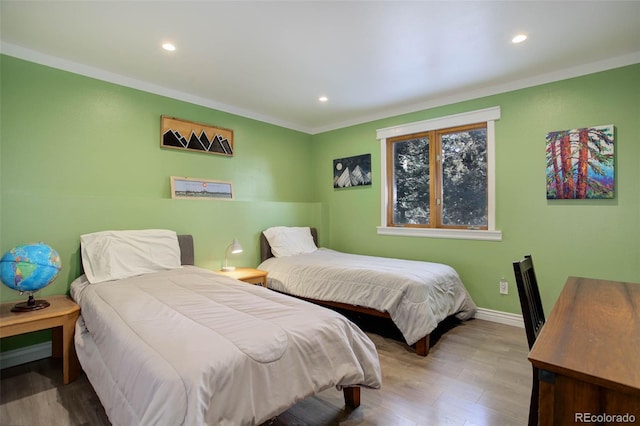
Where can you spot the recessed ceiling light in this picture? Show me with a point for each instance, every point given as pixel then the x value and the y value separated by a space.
pixel 168 46
pixel 519 38
pixel 323 99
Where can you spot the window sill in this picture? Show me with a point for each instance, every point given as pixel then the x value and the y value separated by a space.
pixel 461 234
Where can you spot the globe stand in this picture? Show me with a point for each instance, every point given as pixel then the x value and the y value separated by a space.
pixel 30 305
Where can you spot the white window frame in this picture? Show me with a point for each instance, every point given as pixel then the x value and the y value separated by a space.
pixel 488 115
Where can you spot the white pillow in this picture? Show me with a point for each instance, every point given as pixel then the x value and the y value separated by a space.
pixel 289 241
pixel 113 255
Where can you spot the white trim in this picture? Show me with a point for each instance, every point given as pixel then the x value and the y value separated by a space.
pixel 74 67
pixel 507 318
pixel 383 185
pixel 459 234
pixel 100 74
pixel 26 354
pixel 563 74
pixel 43 350
pixel 470 117
pixel 488 115
pixel 491 176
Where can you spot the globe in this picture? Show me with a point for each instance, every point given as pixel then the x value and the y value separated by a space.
pixel 29 268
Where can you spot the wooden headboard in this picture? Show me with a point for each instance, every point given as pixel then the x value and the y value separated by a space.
pixel 265 248
pixel 186 249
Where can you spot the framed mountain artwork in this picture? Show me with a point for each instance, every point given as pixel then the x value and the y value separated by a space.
pixel 191 136
pixel 352 171
pixel 580 163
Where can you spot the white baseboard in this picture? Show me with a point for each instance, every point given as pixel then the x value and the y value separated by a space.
pixel 500 317
pixel 23 355
pixel 43 350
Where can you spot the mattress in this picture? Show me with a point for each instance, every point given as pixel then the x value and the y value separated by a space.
pixel 416 295
pixel 191 347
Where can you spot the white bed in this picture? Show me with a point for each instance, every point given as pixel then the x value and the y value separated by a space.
pixel 187 346
pixel 415 295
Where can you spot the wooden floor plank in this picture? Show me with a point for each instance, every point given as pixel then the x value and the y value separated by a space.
pixel 476 373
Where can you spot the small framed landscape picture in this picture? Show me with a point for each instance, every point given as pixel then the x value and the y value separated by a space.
pixel 190 188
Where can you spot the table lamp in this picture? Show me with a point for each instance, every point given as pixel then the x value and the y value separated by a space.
pixel 234 247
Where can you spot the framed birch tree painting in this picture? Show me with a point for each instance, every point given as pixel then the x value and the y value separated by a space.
pixel 580 163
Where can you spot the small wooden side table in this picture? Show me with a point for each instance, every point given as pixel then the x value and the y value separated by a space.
pixel 60 316
pixel 248 275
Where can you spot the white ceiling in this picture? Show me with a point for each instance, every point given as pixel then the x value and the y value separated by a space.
pixel 272 60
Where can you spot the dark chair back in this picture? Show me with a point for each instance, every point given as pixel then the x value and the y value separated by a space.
pixel 533 316
pixel 530 301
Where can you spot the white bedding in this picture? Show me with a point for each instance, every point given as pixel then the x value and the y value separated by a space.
pixel 417 295
pixel 191 347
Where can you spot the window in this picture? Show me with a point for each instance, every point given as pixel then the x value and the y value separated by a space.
pixel 438 177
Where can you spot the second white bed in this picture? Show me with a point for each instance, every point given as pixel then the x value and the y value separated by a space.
pixel 417 295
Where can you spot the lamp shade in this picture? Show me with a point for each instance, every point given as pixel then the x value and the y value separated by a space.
pixel 233 248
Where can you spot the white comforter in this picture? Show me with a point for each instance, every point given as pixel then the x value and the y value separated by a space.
pixel 192 347
pixel 417 295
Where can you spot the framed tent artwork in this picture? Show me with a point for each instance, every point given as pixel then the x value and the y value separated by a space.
pixel 580 163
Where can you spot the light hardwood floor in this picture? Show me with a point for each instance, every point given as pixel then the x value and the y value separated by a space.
pixel 477 373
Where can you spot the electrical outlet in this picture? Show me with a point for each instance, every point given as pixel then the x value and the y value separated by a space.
pixel 504 286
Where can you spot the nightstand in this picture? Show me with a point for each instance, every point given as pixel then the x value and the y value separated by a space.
pixel 61 316
pixel 248 275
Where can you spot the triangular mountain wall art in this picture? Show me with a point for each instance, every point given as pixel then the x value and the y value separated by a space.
pixel 352 171
pixel 191 136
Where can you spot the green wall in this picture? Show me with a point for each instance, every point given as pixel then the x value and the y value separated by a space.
pixel 80 155
pixel 593 238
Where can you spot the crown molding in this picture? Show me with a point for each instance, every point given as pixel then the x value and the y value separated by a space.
pixel 100 74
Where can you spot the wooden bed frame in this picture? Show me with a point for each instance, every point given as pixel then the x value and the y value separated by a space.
pixel 422 345
pixel 351 394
